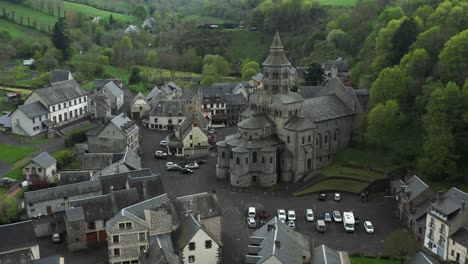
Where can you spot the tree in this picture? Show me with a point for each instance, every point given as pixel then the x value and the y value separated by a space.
pixel 339 39
pixel 416 63
pixel 314 74
pixel 391 84
pixel 404 37
pixel 135 77
pixel 111 20
pixel 453 64
pixel 219 62
pixel 61 38
pixel 384 49
pixel 248 73
pixel 9 209
pixel 384 123
pixel 141 12
pixel 249 69
pixel 400 244
pixel 389 14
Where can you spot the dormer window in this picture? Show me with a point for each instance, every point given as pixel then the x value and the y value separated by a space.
pixel 169 113
pixel 180 113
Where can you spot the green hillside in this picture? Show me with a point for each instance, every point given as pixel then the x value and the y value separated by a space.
pixel 91 11
pixel 17 31
pixel 42 19
pixel 248 44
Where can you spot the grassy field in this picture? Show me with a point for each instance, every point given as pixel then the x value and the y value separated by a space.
pixel 248 44
pixel 20 10
pixel 92 12
pixel 337 2
pixel 16 173
pixel 11 154
pixel 121 6
pixel 17 31
pixel 3 190
pixel 203 19
pixel 366 260
pixel 334 185
pixel 24 92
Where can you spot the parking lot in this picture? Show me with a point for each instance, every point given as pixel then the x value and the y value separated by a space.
pixel 379 209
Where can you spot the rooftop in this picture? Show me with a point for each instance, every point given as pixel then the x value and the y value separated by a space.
pixel 461 236
pixel 33 109
pixel 44 160
pixel 62 191
pixel 17 236
pixel 60 92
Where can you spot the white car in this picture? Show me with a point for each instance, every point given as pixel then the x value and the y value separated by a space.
pixel 291 215
pixel 163 143
pixel 282 215
pixel 309 215
pixel 251 222
pixel 337 216
pixel 337 197
pixel 369 227
pixel 56 238
pixel 292 224
pixel 192 166
pixel 170 164
pixel 252 212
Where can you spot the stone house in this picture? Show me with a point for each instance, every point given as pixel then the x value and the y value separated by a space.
pixel 132 29
pixel 18 244
pixel 110 163
pixel 65 101
pixel 165 114
pixel 74 176
pixel 57 199
pixel 115 136
pixel 75 224
pixel 149 25
pixel 193 99
pixel 458 246
pixel 100 83
pixel 30 119
pixel 275 242
pixel 287 137
pixel 195 243
pixel 115 94
pixel 414 202
pixel 235 103
pixel 161 251
pixel 257 82
pixel 154 96
pixel 340 65
pixel 139 106
pixel 59 76
pixel 171 90
pixel 189 138
pixel 445 217
pixel 128 232
pixel 43 167
pixel 99 106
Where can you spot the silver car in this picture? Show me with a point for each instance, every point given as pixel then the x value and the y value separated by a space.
pixel 251 222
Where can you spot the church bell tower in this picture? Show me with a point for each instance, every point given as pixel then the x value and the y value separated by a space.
pixel 276 69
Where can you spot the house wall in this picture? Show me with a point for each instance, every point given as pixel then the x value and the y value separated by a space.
pixel 110 140
pixel 202 254
pixel 197 145
pixel 56 205
pixel 161 122
pixel 140 106
pixel 160 222
pixel 116 101
pixel 129 242
pixel 97 110
pixel 48 173
pixel 73 109
pixel 76 235
pixel 213 225
pixel 457 250
pixel 23 125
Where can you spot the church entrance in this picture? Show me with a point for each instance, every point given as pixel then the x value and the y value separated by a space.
pixel 254 180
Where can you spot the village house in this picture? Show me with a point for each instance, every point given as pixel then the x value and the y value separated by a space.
pixel 139 106
pixel 57 199
pixel 340 65
pixel 114 137
pixel 161 250
pixel 154 96
pixel 275 242
pixel 110 163
pixel 235 103
pixel 458 245
pixel 18 244
pixel 115 94
pixel 149 25
pixel 59 76
pixel 74 176
pixel 257 82
pixel 132 29
pixel 30 119
pixel 189 138
pixel 99 106
pixel 42 167
pixel 166 114
pixel 171 90
pixel 446 216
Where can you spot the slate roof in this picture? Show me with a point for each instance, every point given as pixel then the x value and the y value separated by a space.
pixel 297 123
pixel 70 177
pixel 461 236
pixel 96 161
pixel 17 257
pixel 325 255
pixel 149 22
pixel 153 93
pixel 163 107
pixel 288 98
pixel 99 83
pixel 325 108
pixel 313 91
pixel 114 89
pixel 118 181
pixel 186 126
pixel 204 204
pixel 186 230
pixel 147 187
pixel 160 251
pixel 44 160
pixel 414 187
pixel 17 236
pixel 132 29
pixel 100 100
pixel 339 63
pixel 256 121
pixel 74 214
pixel 104 207
pixel 234 99
pixel 451 203
pixel 289 250
pixel 422 258
pixel 138 97
pixel 258 77
pixel 5 120
pixel 276 57
pixel 122 122
pixel 131 159
pixel 59 76
pixel 48 260
pixel 62 191
pixel 60 92
pixel 33 109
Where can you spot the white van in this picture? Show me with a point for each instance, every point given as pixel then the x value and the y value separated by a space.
pixel 252 212
pixel 320 224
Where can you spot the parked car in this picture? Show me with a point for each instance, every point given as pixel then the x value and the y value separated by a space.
pixel 337 216
pixel 200 162
pixel 309 215
pixel 263 215
pixel 291 215
pixel 292 223
pixel 192 166
pixel 163 143
pixel 282 215
pixel 159 154
pixel 174 168
pixel 368 227
pixel 56 238
pixel 186 171
pixel 7 182
pixel 252 212
pixel 356 220
pixel 170 163
pixel 322 196
pixel 320 225
pixel 262 222
pixel 327 217
pixel 211 131
pixel 337 197
pixel 251 222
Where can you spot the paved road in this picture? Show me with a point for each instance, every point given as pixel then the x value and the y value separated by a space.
pixel 379 210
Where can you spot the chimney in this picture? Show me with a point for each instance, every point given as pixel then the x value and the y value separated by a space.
pixel 277 244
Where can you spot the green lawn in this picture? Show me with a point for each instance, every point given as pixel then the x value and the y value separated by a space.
pixel 203 19
pixel 16 173
pixel 248 44
pixel 337 2
pixel 92 12
pixel 3 190
pixel 17 31
pixel 366 260
pixel 120 6
pixel 35 15
pixel 11 154
pixel 334 185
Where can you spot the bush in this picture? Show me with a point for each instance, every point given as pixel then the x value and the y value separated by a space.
pixel 77 137
pixel 9 209
pixel 64 160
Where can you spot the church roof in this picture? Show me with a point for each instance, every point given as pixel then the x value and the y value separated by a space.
pixel 289 98
pixel 276 57
pixel 297 123
pixel 256 121
pixel 324 108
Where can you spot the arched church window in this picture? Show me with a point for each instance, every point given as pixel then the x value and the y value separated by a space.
pixel 222 155
pixel 326 139
pixel 237 161
pixel 334 136
pixel 254 157
pixel 309 164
